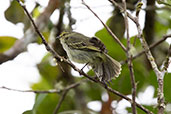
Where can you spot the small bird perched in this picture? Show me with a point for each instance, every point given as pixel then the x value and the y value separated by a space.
pixel 92 51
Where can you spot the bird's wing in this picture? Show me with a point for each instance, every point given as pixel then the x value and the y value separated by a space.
pixel 83 44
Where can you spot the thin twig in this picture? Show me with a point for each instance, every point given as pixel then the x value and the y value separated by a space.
pixel 78 70
pixel 64 93
pixel 150 47
pixel 159 75
pixel 45 91
pixel 107 28
pixel 32 91
pixel 153 45
pixel 130 65
pixel 151 59
pixel 167 61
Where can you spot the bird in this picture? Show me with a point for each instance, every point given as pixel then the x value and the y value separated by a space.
pixel 92 52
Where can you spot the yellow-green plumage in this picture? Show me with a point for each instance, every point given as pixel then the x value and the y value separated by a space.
pixel 82 49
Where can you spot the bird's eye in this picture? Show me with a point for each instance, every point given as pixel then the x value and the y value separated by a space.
pixel 64 34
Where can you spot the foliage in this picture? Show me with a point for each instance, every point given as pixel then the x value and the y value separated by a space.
pixel 6 42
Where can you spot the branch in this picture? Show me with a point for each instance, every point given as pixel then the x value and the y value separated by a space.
pixel 167 61
pixel 159 75
pixel 150 57
pixel 58 57
pixel 64 93
pixel 107 28
pixel 32 91
pixel 150 47
pixel 45 91
pixel 153 45
pixel 130 65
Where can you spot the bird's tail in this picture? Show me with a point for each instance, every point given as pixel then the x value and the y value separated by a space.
pixel 107 69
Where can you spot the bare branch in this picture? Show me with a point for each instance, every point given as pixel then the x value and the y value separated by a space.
pixel 150 47
pixel 107 28
pixel 130 65
pixel 64 93
pixel 151 59
pixel 160 76
pixel 161 104
pixel 45 91
pixel 167 61
pixel 153 45
pixel 32 91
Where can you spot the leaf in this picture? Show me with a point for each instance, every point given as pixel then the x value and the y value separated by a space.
pixel 45 103
pixel 162 23
pixel 15 14
pixel 36 12
pixel 48 71
pixel 6 42
pixel 116 24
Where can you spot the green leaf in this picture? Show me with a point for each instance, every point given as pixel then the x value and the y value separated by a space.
pixel 45 103
pixel 6 42
pixel 116 24
pixel 43 84
pixel 36 12
pixel 162 23
pixel 48 71
pixel 15 14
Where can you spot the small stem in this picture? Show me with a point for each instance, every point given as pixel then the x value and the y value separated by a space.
pixel 60 101
pixel 130 65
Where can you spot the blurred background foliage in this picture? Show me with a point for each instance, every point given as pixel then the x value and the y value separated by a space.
pixel 157 24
